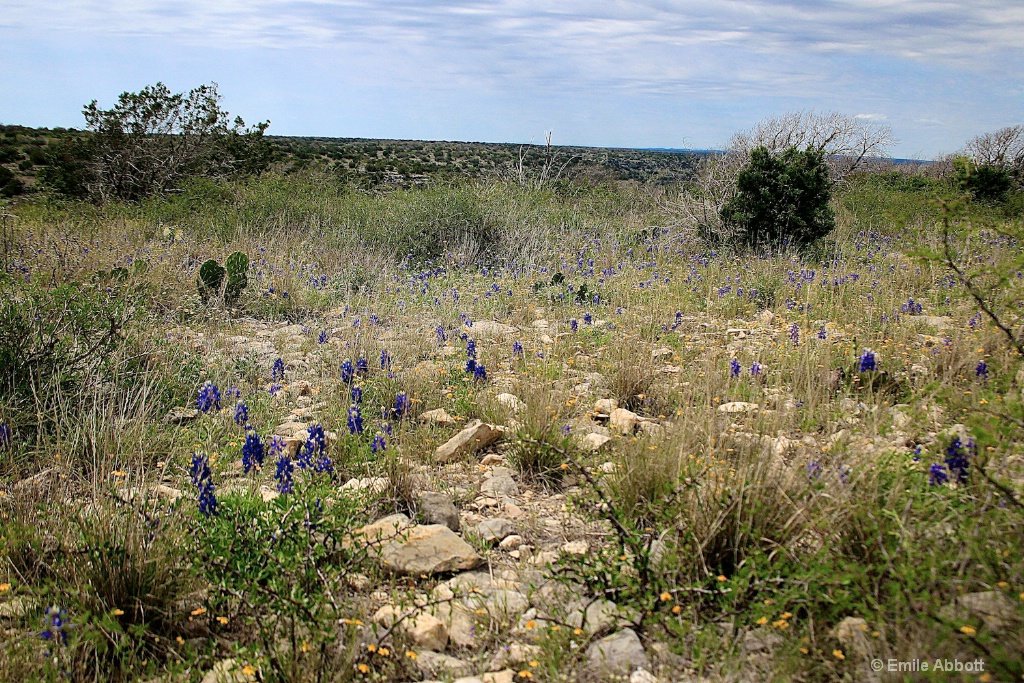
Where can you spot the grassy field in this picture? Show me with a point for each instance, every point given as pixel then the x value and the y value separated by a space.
pixel 711 466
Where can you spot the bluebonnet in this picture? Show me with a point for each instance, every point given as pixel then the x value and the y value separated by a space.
pixel 734 368
pixel 956 459
pixel 822 334
pixel 357 394
pixel 439 331
pixel 479 373
pixel 814 469
pixel 355 420
pixel 517 348
pixel 975 321
pixel 378 444
pixel 284 473
pixel 587 319
pixel 911 308
pixel 362 366
pixel 937 474
pixel 756 369
pixel 55 625
pixel 202 479
pixel 867 362
pixel 794 333
pixel 470 356
pixel 385 360
pixel 241 414
pixel 401 404
pixel 981 370
pixel 322 339
pixel 574 324
pixel 274 389
pixel 348 372
pixel 277 372
pixel 252 452
pixel 208 398
pixel 5 436
pixel 233 392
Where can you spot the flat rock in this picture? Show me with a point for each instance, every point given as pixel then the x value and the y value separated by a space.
pixel 511 401
pixel 437 416
pixel 181 416
pixel 619 654
pixel 432 663
pixel 489 329
pixel 430 549
pixel 475 436
pixel 495 530
pixel 384 529
pixel 593 441
pixel 738 407
pixel 851 633
pixel 605 406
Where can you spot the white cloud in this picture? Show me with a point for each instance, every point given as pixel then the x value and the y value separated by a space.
pixel 871 117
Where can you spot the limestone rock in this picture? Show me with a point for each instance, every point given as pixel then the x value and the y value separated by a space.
pixel 511 401
pixel 851 633
pixel 475 436
pixel 438 416
pixel 511 542
pixel 605 406
pixel 662 353
pixel 993 607
pixel 495 530
pixel 624 421
pixel 499 483
pixel 384 529
pixel 430 549
pixel 228 671
pixel 592 442
pixel 489 329
pixel 738 407
pixel 619 654
pixel 432 663
pixel 181 416
pixel 437 508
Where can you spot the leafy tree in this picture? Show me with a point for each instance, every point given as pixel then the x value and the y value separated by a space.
pixel 153 140
pixel 781 199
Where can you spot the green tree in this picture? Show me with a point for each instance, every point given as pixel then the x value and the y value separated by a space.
pixel 153 140
pixel 781 199
pixel 985 182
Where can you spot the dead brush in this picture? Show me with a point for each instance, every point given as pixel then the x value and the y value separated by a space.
pixel 633 379
pixel 541 437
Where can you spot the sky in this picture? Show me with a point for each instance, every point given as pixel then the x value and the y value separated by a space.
pixel 610 73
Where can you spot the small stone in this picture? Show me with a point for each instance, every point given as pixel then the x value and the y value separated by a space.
pixel 495 530
pixel 371 484
pixel 181 416
pixel 475 436
pixel 438 416
pixel 511 542
pixel 738 407
pixel 499 483
pixel 579 548
pixel 511 402
pixel 761 640
pixel 605 406
pixel 227 671
pixel 504 676
pixel 619 654
pixel 489 329
pixel 642 676
pixel 593 442
pixel 607 467
pixel 384 529
pixel 428 632
pixel 851 633
pixel 432 663
pixel 624 421
pixel 492 459
pixel 437 508
pixel 663 352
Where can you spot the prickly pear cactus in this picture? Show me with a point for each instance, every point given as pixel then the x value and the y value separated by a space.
pixel 237 268
pixel 211 276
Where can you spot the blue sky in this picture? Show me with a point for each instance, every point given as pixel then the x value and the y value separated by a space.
pixel 644 73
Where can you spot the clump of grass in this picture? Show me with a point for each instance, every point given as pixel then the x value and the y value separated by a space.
pixel 540 434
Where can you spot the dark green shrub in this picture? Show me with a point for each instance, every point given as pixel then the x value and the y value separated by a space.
pixel 781 199
pixel 984 182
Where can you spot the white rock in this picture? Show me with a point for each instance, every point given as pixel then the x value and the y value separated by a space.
pixel 738 407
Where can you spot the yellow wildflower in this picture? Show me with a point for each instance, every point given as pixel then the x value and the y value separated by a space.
pixel 968 630
pixel 838 654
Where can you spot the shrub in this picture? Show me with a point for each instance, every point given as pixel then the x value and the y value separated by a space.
pixel 781 199
pixel 984 182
